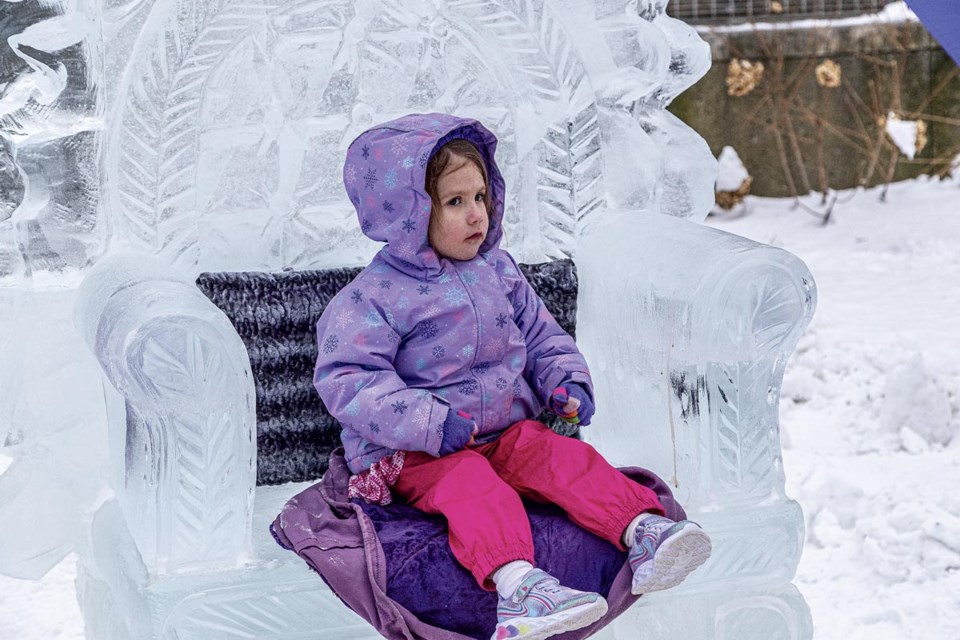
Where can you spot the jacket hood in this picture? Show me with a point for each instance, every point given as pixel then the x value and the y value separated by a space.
pixel 385 173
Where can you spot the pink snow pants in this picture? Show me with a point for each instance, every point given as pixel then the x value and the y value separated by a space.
pixel 478 490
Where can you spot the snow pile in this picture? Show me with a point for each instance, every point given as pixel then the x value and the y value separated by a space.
pixel 43 610
pixel 897 12
pixel 870 409
pixel 905 134
pixel 731 174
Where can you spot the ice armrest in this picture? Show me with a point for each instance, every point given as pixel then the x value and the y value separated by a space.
pixel 687 330
pixel 183 434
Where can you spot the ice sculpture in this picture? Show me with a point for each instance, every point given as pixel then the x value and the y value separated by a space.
pixel 207 135
pixel 50 229
pixel 694 352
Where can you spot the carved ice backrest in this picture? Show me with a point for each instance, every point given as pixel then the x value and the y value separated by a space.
pixel 212 132
pixel 230 122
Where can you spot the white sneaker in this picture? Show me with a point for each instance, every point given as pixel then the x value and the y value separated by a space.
pixel 665 553
pixel 541 608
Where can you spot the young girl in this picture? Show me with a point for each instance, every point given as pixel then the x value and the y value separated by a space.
pixel 435 359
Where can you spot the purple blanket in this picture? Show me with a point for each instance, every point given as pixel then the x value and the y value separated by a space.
pixel 393 566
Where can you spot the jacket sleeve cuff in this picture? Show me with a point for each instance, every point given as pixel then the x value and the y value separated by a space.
pixel 433 437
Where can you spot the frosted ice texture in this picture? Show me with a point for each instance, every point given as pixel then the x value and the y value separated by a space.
pixel 50 112
pixel 184 445
pixel 51 424
pixel 209 135
pixel 691 338
pixel 230 128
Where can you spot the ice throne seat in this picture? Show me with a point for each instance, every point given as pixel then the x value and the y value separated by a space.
pixel 687 329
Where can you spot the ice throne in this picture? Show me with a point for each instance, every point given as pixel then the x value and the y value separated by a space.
pixel 225 127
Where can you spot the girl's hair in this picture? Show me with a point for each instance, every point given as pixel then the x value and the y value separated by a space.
pixel 438 164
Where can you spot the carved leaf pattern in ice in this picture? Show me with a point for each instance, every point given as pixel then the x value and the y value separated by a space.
pixel 748 443
pixel 745 461
pixel 569 170
pixel 156 150
pixel 567 197
pixel 201 486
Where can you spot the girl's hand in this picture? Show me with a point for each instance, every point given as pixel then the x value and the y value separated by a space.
pixel 572 404
pixel 458 432
pixel 564 405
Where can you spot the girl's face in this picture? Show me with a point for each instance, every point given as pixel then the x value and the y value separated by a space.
pixel 459 226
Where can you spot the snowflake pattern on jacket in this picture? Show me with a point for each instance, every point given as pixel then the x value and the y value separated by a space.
pixel 415 335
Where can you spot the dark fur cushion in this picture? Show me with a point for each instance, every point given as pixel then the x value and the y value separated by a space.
pixel 276 316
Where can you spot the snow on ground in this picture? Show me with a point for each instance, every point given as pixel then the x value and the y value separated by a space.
pixel 870 414
pixel 43 610
pixel 870 409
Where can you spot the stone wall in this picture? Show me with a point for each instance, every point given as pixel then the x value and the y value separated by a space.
pixel 796 133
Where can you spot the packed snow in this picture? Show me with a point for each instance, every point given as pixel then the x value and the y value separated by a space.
pixel 904 134
pixel 870 412
pixel 731 173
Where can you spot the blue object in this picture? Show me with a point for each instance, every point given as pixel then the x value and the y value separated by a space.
pixel 942 19
pixel 457 432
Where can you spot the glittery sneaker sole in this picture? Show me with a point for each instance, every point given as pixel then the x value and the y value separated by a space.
pixel 675 559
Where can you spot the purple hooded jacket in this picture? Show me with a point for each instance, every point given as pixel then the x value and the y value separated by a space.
pixel 416 335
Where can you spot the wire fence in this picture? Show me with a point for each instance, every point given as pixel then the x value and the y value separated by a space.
pixel 713 11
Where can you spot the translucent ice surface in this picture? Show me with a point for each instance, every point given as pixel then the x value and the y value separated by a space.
pixel 687 345
pixel 51 424
pixel 701 331
pixel 144 142
pixel 183 442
